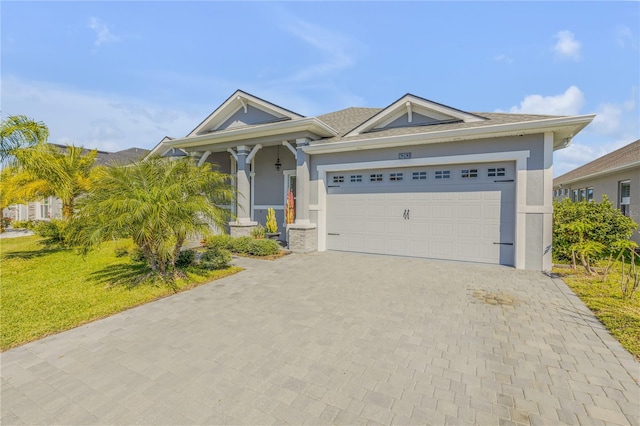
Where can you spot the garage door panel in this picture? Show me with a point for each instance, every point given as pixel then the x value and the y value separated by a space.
pixel 447 219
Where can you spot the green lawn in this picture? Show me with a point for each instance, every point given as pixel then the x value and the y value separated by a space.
pixel 45 291
pixel 620 316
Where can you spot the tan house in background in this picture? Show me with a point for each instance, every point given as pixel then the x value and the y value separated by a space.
pixel 616 175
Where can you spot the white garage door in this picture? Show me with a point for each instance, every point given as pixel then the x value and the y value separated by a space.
pixel 461 212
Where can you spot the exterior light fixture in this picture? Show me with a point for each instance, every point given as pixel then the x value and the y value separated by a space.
pixel 278 163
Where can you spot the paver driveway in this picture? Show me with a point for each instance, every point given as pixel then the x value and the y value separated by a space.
pixel 335 338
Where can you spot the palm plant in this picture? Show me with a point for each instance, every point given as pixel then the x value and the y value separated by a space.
pixel 16 187
pixel 67 173
pixel 19 131
pixel 159 203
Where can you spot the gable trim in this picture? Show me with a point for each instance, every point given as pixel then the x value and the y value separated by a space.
pixel 241 100
pixel 408 104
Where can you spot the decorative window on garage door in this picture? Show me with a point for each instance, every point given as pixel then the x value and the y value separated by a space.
pixel 496 171
pixel 419 175
pixel 443 174
pixel 356 178
pixel 469 173
pixel 338 179
pixel 396 176
pixel 375 177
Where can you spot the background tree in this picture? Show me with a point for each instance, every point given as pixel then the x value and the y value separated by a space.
pixel 19 131
pixel 159 203
pixel 67 172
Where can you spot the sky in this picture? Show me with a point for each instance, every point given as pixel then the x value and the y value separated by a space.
pixel 115 75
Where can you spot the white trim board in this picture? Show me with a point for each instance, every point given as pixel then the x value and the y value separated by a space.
pixel 520 158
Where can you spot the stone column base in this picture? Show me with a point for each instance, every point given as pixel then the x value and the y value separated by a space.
pixel 302 238
pixel 241 229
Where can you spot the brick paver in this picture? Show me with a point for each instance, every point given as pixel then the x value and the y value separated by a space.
pixel 335 338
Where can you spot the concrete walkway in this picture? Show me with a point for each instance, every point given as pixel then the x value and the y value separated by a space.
pixel 335 338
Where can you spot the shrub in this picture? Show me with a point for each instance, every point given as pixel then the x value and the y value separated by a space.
pixel 241 245
pixel 215 258
pixel 263 248
pixel 258 232
pixel 223 241
pixel 185 258
pixel 588 229
pixel 6 221
pixel 272 223
pixel 52 231
pixel 20 224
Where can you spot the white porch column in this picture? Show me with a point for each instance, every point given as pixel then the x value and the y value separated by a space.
pixel 302 183
pixel 244 186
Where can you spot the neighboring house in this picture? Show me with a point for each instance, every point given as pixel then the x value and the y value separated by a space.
pixel 51 207
pixel 616 175
pixel 416 178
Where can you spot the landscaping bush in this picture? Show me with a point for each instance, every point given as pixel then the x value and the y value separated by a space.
pixel 6 222
pixel 185 258
pixel 215 258
pixel 258 232
pixel 241 245
pixel 52 231
pixel 20 224
pixel 223 241
pixel 588 228
pixel 263 248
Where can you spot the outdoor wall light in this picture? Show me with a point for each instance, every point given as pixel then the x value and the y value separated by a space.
pixel 278 163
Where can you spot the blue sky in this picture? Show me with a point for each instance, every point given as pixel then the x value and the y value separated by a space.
pixel 113 75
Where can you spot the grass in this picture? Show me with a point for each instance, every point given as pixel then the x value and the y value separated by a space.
pixel 619 315
pixel 45 291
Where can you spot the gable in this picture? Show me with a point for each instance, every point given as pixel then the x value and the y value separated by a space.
pixel 410 111
pixel 251 115
pixel 242 109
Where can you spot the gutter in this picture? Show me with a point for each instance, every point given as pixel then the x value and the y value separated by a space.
pixel 497 130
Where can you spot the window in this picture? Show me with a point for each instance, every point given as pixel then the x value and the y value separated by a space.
pixel 396 176
pixel 624 199
pixel 471 173
pixel 375 177
pixel 338 179
pixel 574 195
pixel 566 192
pixel 496 171
pixel 590 194
pixel 419 175
pixel 583 194
pixel 356 178
pixel 44 208
pixel 443 174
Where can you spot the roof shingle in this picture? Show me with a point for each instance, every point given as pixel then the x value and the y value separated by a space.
pixel 628 154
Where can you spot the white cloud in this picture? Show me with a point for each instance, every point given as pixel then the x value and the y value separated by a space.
pixel 94 120
pixel 567 46
pixel 502 58
pixel 103 34
pixel 625 37
pixel 333 48
pixel 568 103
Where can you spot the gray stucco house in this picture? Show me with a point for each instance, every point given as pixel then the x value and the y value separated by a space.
pixel 616 175
pixel 416 178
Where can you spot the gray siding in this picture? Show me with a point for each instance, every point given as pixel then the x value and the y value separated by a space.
pixel 269 182
pixel 416 120
pixel 222 160
pixel 534 242
pixel 252 116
